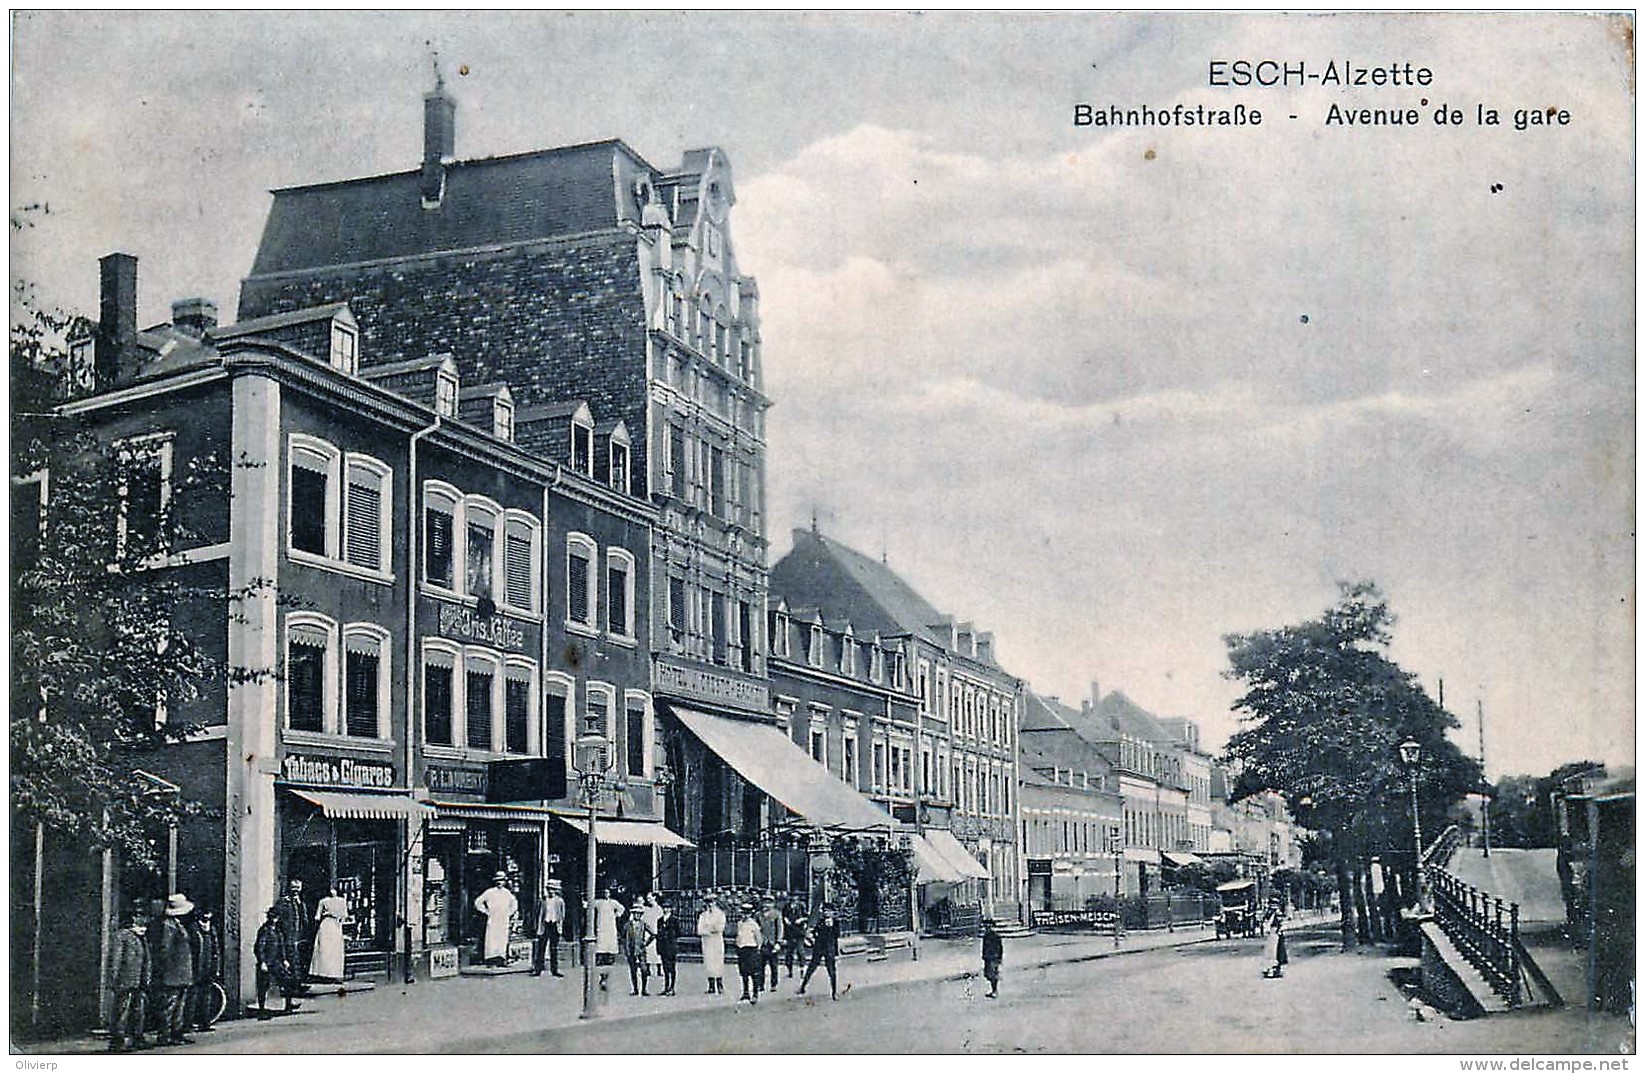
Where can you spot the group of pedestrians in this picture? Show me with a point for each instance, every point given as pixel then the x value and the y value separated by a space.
pixel 164 968
pixel 764 937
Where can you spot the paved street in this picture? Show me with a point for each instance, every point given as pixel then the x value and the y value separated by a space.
pixel 1328 1002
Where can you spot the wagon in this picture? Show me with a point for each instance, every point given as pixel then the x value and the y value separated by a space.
pixel 1238 914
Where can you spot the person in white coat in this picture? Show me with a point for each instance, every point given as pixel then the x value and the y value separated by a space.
pixel 498 905
pixel 711 928
pixel 653 917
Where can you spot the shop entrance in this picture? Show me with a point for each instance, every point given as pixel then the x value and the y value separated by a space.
pixel 460 866
pixel 359 860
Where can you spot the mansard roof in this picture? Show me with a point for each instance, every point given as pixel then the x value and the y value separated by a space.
pixel 544 194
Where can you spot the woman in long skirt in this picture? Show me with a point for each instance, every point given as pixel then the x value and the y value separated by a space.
pixel 329 918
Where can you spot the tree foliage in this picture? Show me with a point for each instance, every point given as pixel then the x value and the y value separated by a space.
pixel 100 642
pixel 1323 715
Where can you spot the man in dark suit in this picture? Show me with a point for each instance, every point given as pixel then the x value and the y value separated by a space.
pixel 825 949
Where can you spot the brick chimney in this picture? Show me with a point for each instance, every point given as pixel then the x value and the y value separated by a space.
pixel 196 316
pixel 439 141
pixel 116 314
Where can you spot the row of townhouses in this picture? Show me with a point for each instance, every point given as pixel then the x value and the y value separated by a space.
pixel 499 431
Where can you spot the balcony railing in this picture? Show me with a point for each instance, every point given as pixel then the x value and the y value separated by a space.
pixel 1485 930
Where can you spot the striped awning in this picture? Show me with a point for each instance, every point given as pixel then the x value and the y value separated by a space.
pixel 629 833
pixel 342 805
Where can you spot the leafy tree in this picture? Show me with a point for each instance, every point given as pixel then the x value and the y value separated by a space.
pixel 100 638
pixel 1323 713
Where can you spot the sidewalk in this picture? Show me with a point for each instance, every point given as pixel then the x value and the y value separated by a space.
pixel 430 1015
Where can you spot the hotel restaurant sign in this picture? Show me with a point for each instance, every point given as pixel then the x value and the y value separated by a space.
pixel 709 685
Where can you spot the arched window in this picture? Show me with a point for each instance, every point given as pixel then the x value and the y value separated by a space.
pixel 311 673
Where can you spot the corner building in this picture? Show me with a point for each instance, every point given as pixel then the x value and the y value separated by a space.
pixel 584 275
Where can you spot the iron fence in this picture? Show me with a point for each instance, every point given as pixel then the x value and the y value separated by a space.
pixel 1473 920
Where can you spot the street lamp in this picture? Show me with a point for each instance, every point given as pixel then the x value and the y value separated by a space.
pixel 594 762
pixel 1410 752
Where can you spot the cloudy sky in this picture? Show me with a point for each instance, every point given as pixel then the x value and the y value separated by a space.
pixel 1111 394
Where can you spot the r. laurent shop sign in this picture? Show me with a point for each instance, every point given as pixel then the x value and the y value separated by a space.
pixel 336 771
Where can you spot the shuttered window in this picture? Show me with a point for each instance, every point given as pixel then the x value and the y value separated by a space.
pixel 360 680
pixel 635 740
pixel 437 680
pixel 578 575
pixel 676 609
pixel 306 683
pixel 363 521
pixel 517 568
pixel 554 723
pixel 437 538
pixel 616 596
pixel 478 686
pixel 516 714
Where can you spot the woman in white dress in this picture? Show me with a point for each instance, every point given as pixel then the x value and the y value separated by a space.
pixel 711 928
pixel 329 918
pixel 653 918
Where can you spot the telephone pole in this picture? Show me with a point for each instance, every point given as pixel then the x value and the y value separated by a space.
pixel 1484 795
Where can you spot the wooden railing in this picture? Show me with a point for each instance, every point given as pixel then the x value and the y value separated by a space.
pixel 1475 922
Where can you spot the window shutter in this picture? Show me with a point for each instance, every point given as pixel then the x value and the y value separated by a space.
pixel 361 682
pixel 517 569
pixel 365 525
pixel 479 710
pixel 437 704
pixel 438 538
pixel 577 608
pixel 554 727
pixel 516 714
pixel 306 689
pixel 636 741
pixel 617 599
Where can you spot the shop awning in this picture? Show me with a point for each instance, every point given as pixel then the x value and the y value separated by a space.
pixel 958 857
pixel 629 833
pixel 489 811
pixel 765 757
pixel 1182 857
pixel 931 866
pixel 341 805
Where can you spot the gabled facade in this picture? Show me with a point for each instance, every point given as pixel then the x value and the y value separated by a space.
pixel 1071 811
pixel 964 742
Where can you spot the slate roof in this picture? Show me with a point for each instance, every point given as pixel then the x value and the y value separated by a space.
pixel 537 195
pixel 1120 711
pixel 820 571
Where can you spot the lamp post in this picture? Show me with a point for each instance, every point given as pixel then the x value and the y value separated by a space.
pixel 594 763
pixel 1410 752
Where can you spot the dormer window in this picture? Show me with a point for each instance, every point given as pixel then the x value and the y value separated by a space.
pixel 848 656
pixel 445 395
pixel 814 650
pixel 619 466
pixel 582 448
pixel 502 420
pixel 345 348
pixel 779 634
